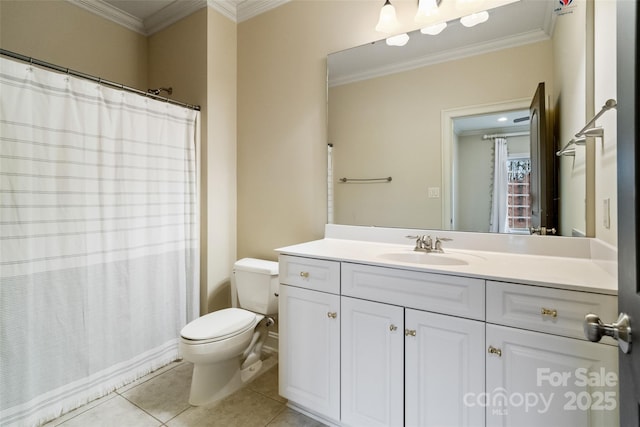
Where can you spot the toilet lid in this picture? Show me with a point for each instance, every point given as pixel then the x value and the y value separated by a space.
pixel 219 324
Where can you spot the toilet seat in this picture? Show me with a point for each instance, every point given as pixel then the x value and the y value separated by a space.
pixel 219 325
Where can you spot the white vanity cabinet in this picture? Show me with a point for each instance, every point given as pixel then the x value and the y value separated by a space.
pixel 372 362
pixel 432 362
pixel 367 345
pixel 309 334
pixel 444 362
pixel 540 369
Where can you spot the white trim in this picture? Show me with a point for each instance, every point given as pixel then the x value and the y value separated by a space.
pixel 446 126
pixel 235 10
pixel 449 55
pixel 247 9
pixel 171 14
pixel 227 8
pixel 106 11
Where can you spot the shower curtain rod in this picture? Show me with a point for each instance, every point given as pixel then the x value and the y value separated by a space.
pixel 505 135
pixel 94 78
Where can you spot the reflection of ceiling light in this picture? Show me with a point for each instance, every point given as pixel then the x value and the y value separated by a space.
pixel 388 21
pixel 474 19
pixel 433 30
pixel 399 40
pixel 468 5
pixel 427 10
pixel 502 119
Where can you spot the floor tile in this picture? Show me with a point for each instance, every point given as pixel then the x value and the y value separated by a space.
pixel 244 408
pixel 267 385
pixel 78 411
pixel 114 412
pixel 164 396
pixel 151 375
pixel 291 418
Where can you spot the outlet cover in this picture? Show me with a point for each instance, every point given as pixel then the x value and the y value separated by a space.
pixel 434 192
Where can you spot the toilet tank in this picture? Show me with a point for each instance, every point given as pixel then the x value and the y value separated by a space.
pixel 257 285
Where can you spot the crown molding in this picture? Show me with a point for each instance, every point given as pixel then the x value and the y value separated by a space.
pixel 171 14
pixel 450 55
pixel 235 10
pixel 106 11
pixel 247 9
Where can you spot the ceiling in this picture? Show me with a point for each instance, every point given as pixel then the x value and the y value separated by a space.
pixel 149 16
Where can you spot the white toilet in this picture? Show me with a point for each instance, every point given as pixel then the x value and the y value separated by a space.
pixel 225 346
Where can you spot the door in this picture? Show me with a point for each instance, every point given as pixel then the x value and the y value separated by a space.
pixel 543 186
pixel 628 292
pixel 536 379
pixel 372 363
pixel 309 349
pixel 444 370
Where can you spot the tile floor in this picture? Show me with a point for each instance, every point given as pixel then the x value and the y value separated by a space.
pixel 161 399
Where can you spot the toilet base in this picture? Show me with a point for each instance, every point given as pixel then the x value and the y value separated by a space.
pixel 213 382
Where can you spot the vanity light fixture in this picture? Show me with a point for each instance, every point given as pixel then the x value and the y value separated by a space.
pixel 427 11
pixel 434 30
pixel 399 40
pixel 388 21
pixel 474 19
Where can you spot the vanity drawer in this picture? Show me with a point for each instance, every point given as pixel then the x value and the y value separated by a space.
pixel 439 293
pixel 555 311
pixel 316 274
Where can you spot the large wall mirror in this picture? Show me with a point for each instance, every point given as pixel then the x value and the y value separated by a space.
pixel 424 119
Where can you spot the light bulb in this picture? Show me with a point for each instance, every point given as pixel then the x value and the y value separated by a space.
pixel 433 30
pixel 474 19
pixel 427 11
pixel 388 21
pixel 399 40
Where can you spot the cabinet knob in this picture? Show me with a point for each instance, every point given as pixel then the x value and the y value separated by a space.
pixel 304 274
pixel 393 328
pixel 496 351
pixel 410 332
pixel 549 312
pixel 332 315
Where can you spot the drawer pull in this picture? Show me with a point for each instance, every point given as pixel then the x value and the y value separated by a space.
pixel 304 274
pixel 493 350
pixel 410 332
pixel 549 312
pixel 332 315
pixel 393 328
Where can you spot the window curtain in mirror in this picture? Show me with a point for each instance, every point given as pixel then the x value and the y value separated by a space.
pixel 498 223
pixel 99 239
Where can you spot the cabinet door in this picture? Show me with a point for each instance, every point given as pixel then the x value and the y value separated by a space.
pixel 536 379
pixel 372 363
pixel 444 363
pixel 309 349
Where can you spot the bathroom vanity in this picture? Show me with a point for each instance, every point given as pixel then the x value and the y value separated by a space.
pixel 373 333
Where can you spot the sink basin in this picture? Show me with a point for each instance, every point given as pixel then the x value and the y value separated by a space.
pixel 423 258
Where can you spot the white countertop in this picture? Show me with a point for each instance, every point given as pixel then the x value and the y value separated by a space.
pixel 572 273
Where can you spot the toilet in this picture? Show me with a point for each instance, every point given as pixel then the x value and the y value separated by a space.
pixel 225 346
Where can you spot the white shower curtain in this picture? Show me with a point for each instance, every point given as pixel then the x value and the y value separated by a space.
pixel 98 238
pixel 498 222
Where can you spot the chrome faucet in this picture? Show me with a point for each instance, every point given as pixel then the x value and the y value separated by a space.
pixel 426 243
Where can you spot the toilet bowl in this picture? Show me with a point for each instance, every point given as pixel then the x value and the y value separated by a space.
pixel 225 346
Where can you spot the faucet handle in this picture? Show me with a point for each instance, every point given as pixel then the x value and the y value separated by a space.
pixel 418 240
pixel 438 245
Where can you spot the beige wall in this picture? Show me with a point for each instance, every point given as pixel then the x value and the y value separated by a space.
pixel 391 126
pixel 66 35
pixel 282 117
pixel 569 105
pixel 605 149
pixel 197 57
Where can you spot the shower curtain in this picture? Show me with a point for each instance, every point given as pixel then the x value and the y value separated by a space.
pixel 98 238
pixel 498 222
